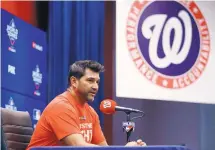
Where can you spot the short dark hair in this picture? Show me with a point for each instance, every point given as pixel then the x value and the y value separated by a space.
pixel 78 68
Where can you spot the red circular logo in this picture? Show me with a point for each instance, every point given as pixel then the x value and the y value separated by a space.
pixel 170 47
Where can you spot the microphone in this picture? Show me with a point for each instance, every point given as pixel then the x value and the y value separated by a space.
pixel 109 106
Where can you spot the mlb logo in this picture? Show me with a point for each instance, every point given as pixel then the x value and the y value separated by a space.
pixel 36 114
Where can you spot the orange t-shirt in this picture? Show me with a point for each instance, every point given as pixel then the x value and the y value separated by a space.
pixel 64 116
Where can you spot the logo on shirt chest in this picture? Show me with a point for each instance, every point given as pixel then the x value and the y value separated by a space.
pixel 82 118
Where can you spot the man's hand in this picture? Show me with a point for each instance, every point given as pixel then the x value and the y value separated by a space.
pixel 139 142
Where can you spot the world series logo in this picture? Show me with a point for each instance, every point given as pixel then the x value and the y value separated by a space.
pixel 37 78
pixel 169 41
pixel 12 33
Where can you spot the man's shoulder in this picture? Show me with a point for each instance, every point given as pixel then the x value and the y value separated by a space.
pixel 92 110
pixel 60 103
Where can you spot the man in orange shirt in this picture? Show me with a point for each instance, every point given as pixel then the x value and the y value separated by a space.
pixel 68 119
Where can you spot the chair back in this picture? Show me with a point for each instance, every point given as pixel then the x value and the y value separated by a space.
pixel 16 129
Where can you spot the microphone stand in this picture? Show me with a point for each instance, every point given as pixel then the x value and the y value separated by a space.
pixel 128 126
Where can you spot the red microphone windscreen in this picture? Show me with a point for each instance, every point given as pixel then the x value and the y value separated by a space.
pixel 107 106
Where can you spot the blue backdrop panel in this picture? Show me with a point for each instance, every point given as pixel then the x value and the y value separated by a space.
pixel 15 101
pixel 35 109
pixel 24 50
pixel 12 100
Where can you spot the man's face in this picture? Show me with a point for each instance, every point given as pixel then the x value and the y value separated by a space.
pixel 87 85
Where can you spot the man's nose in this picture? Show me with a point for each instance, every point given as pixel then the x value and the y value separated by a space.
pixel 95 86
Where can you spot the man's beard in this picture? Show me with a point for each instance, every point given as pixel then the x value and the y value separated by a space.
pixel 86 96
pixel 90 98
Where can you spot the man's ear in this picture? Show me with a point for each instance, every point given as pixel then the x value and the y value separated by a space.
pixel 74 81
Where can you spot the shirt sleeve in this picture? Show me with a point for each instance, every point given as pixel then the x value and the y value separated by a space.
pixel 63 121
pixel 98 135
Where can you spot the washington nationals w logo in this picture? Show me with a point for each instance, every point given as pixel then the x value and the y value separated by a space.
pixel 173 53
pixel 170 47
